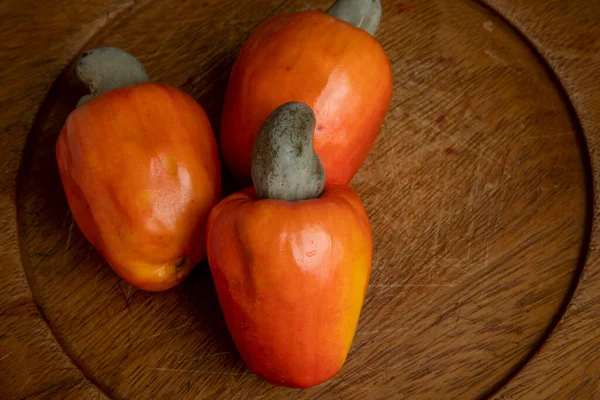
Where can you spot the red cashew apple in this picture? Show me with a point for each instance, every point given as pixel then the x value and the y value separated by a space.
pixel 290 259
pixel 140 169
pixel 329 61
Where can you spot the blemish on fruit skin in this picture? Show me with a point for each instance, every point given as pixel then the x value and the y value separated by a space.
pixel 180 264
pixel 311 253
pixel 320 128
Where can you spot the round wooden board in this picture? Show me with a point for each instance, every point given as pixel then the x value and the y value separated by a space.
pixel 478 190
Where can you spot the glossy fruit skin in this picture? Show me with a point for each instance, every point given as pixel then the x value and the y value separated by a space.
pixel 140 169
pixel 291 279
pixel 339 70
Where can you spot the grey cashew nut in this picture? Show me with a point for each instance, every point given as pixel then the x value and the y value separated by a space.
pixel 364 14
pixel 284 163
pixel 108 68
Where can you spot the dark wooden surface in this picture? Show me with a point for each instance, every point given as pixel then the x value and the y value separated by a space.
pixel 478 189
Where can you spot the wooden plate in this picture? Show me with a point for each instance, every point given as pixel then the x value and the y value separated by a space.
pixel 478 190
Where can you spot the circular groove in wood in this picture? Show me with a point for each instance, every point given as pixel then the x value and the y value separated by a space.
pixel 589 209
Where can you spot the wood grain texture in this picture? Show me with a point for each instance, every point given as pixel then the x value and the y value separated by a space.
pixel 476 190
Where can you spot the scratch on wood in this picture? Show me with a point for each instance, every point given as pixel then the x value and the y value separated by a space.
pixel 487 244
pixel 499 60
pixel 198 371
pixel 503 170
pixel 453 260
pixel 25 384
pixel 438 222
pixel 6 355
pixel 410 220
pixel 69 237
pixel 471 208
pixel 220 353
pixel 125 299
pixel 549 136
pixel 122 293
pixel 394 330
pixel 495 230
pixel 90 248
pixel 415 285
pixel 457 317
pixel 158 334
